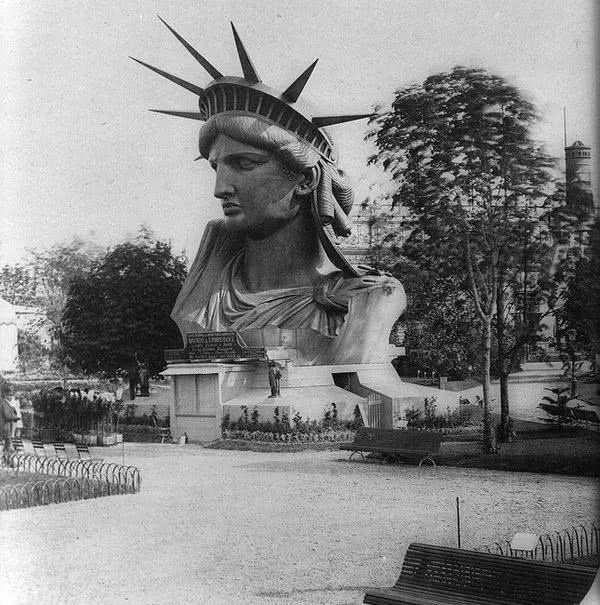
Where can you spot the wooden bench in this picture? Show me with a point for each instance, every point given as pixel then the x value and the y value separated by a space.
pixel 587 416
pixel 395 443
pixel 433 575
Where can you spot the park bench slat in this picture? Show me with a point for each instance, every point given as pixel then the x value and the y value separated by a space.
pixel 437 574
pixel 416 596
pixel 404 443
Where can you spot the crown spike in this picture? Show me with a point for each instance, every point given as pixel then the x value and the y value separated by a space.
pixel 294 90
pixel 321 121
pixel 248 68
pixel 191 87
pixel 209 67
pixel 192 115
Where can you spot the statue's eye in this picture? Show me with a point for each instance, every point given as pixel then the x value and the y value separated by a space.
pixel 245 163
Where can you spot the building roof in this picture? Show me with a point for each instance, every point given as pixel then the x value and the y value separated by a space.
pixel 7 312
pixel 577 144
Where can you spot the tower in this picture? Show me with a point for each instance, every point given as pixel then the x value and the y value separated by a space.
pixel 578 168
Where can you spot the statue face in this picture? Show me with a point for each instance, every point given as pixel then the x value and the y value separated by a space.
pixel 256 194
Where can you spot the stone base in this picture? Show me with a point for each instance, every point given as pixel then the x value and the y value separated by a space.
pixel 202 392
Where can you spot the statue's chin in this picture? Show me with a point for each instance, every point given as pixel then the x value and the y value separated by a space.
pixel 256 232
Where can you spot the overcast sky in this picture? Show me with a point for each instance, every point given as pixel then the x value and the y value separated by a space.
pixel 83 156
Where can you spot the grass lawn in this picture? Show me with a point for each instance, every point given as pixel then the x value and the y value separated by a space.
pixel 537 449
pixel 14 477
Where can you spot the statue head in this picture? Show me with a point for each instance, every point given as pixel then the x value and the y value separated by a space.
pixel 246 111
pixel 265 176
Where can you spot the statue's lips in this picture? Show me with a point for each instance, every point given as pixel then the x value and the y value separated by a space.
pixel 231 208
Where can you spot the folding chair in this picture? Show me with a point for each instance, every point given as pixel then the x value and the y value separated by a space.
pixel 28 447
pixel 60 451
pixel 71 451
pixel 50 450
pixel 83 451
pixel 17 444
pixel 38 447
pixel 165 434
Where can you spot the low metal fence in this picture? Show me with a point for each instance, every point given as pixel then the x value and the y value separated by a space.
pixel 67 480
pixel 577 542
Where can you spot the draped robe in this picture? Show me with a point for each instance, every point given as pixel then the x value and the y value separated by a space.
pixel 314 320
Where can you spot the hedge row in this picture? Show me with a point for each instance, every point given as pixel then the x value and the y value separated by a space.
pixel 140 433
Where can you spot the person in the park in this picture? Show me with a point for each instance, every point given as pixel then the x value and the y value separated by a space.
pixel 8 415
pixel 271 269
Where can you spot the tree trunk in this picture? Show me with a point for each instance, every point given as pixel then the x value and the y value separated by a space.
pixel 504 411
pixel 503 365
pixel 488 440
pixel 573 377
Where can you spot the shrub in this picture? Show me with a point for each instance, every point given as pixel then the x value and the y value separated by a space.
pixel 281 428
pixel 460 417
pixel 556 407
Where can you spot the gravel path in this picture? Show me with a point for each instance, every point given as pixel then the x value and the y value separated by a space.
pixel 230 527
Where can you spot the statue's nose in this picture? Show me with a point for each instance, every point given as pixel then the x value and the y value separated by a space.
pixel 223 182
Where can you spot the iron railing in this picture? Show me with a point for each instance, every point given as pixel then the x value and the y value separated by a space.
pixel 67 480
pixel 576 542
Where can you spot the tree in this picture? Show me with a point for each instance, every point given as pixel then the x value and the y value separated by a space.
pixel 459 149
pixel 55 270
pixel 581 311
pixel 576 305
pixel 118 315
pixel 18 285
pixel 441 332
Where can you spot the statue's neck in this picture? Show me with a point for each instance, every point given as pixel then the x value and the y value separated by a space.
pixel 291 257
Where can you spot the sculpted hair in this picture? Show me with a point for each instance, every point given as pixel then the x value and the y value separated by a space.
pixel 334 191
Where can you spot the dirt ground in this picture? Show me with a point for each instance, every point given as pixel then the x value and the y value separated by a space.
pixel 232 527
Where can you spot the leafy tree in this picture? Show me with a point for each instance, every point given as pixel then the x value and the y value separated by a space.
pixel 33 354
pixel 576 304
pixel 118 315
pixel 43 281
pixel 580 314
pixel 18 285
pixel 440 324
pixel 55 269
pixel 459 149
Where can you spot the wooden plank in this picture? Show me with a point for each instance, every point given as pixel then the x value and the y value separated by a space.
pixel 436 574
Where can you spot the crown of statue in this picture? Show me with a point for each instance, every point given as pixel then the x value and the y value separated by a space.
pixel 248 95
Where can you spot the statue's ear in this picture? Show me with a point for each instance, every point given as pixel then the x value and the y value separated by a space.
pixel 308 182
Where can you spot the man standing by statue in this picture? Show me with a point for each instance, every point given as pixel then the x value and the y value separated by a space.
pixel 274 379
pixel 271 269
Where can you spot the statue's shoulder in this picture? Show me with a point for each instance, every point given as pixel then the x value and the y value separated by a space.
pixel 368 279
pixel 337 289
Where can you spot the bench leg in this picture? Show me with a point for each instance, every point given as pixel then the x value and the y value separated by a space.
pixel 356 452
pixel 427 458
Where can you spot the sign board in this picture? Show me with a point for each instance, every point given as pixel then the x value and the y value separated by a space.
pixel 214 346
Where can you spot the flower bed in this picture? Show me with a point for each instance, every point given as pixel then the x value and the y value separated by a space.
pixel 290 437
